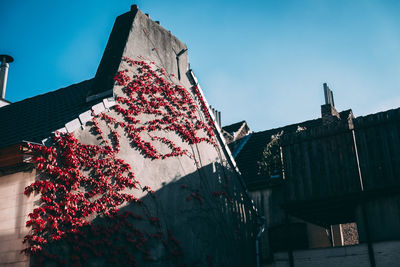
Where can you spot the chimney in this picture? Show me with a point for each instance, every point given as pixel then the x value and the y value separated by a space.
pixel 328 111
pixel 134 7
pixel 5 59
pixel 217 116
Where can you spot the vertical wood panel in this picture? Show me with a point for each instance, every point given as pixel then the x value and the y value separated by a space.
pixel 307 169
pixel 394 144
pixel 386 157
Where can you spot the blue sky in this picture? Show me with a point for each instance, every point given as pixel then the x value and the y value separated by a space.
pixel 259 61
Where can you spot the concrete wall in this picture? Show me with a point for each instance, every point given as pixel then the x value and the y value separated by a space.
pixel 387 254
pixel 217 231
pixel 151 41
pixel 216 227
pixel 133 35
pixel 14 208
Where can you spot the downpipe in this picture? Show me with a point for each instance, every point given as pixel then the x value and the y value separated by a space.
pixel 262 227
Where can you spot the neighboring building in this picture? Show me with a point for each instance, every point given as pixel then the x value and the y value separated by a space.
pixel 235 131
pixel 328 182
pixel 139 133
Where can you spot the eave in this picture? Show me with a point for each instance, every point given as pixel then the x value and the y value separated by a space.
pixel 15 158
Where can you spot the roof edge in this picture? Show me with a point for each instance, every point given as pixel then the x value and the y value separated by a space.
pixel 110 62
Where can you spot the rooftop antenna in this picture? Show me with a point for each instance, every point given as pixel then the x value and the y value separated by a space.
pixel 5 59
pixel 328 95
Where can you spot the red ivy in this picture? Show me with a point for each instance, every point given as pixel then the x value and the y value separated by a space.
pixel 79 181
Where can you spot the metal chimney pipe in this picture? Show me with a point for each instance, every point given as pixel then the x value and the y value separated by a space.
pixel 5 59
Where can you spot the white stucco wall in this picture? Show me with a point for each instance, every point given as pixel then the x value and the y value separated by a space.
pixel 14 208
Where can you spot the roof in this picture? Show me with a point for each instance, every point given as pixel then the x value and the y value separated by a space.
pixel 249 155
pixel 34 119
pixel 233 127
pixel 133 35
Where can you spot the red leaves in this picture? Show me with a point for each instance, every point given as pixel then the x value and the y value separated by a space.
pixel 146 188
pixel 175 249
pixel 121 78
pixel 42 186
pixel 154 220
pixel 64 209
pixel 80 181
pixel 174 107
pixel 195 195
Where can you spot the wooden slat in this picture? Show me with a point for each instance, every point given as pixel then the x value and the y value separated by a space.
pixel 386 155
pixel 308 179
pixel 394 141
pixel 10 156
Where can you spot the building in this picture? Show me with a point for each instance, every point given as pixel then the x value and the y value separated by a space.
pixel 328 188
pixel 127 168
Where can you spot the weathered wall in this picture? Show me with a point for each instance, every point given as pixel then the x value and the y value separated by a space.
pixel 387 254
pixel 332 166
pixel 133 35
pixel 383 219
pixel 276 236
pixel 378 143
pixel 197 211
pixel 14 208
pixel 211 230
pixel 151 41
pixel 320 163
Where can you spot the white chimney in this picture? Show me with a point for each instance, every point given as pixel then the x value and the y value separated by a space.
pixel 5 59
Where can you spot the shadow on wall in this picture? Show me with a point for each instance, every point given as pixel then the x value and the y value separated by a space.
pixel 189 221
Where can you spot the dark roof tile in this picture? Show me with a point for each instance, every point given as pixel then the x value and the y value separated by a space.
pixel 233 127
pixel 33 119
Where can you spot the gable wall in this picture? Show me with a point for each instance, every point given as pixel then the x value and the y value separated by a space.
pixel 198 197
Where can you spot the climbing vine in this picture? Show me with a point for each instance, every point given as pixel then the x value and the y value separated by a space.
pixel 270 164
pixel 80 183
